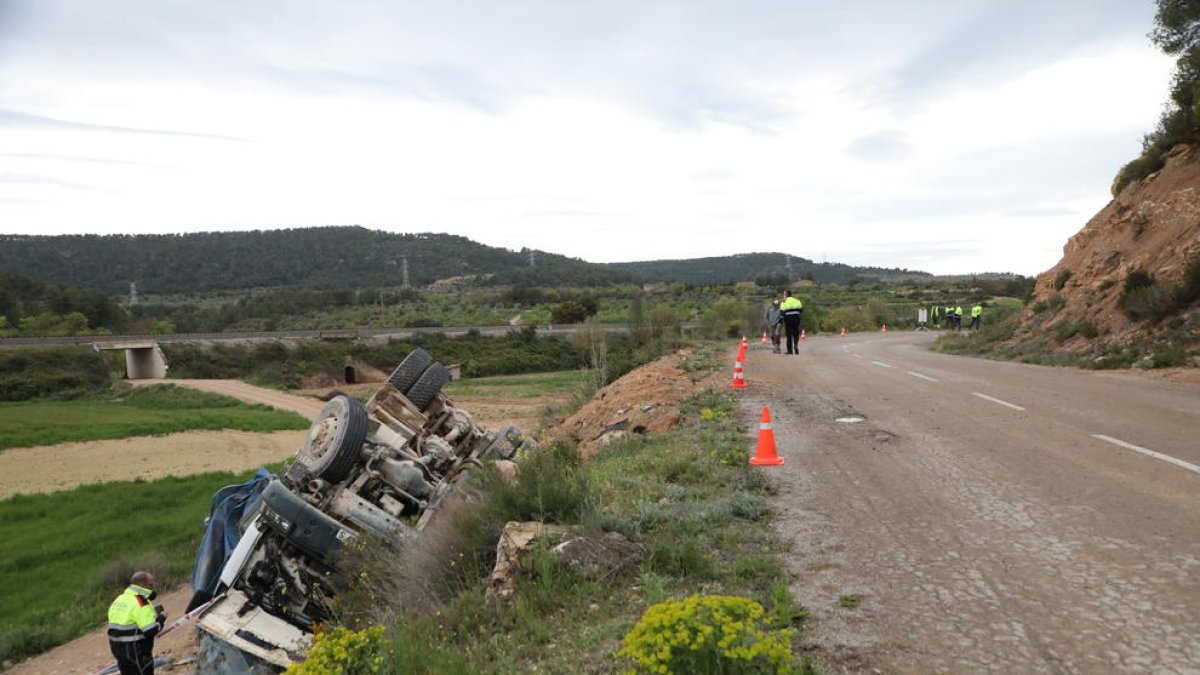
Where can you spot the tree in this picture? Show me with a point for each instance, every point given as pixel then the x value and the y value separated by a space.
pixel 1177 33
pixel 568 312
pixel 1176 26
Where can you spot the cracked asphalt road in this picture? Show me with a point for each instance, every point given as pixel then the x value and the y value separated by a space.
pixel 986 516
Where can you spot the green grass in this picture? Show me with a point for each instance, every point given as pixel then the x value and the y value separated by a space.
pixel 534 385
pixel 67 554
pixel 145 411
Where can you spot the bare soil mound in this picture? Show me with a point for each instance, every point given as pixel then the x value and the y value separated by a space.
pixel 644 401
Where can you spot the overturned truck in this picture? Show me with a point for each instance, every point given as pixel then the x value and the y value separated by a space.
pixel 267 568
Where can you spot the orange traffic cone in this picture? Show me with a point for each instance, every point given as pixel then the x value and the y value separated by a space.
pixel 764 340
pixel 741 355
pixel 884 329
pixel 739 377
pixel 764 453
pixel 802 334
pixel 843 332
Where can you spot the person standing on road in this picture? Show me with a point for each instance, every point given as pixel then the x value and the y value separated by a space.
pixel 976 312
pixel 792 310
pixel 773 318
pixel 958 314
pixel 133 621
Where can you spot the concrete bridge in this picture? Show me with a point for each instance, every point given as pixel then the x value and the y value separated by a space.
pixel 144 359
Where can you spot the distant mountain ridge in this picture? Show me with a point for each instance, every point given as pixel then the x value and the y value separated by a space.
pixel 356 257
pixel 752 267
pixel 318 257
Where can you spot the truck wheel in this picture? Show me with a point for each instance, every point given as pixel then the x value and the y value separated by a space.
pixel 428 385
pixel 410 369
pixel 335 438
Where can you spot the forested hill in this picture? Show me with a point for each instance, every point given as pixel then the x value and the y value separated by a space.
pixel 771 268
pixel 321 257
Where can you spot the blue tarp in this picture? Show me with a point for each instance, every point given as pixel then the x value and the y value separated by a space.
pixel 222 530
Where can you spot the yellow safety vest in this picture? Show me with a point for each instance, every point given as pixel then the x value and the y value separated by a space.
pixel 976 310
pixel 132 617
pixel 791 303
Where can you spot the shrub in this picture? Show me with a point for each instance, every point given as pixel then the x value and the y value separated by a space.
pixel 1061 278
pixel 708 634
pixel 1136 170
pixel 1051 304
pixel 1171 356
pixel 1139 278
pixel 1087 329
pixel 1146 302
pixel 1189 287
pixel 344 651
pixel 59 372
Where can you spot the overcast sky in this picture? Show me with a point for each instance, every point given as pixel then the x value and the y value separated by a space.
pixel 952 136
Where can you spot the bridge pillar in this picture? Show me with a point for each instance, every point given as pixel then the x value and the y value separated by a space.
pixel 145 363
pixel 144 359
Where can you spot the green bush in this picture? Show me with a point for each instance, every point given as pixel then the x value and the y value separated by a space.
pixel 1189 287
pixel 1146 302
pixel 1061 278
pixel 1139 278
pixel 1051 304
pixel 708 634
pixel 339 650
pixel 52 372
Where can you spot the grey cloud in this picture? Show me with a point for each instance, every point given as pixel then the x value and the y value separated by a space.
pixel 572 213
pixel 18 120
pixel 12 178
pixel 888 144
pixel 712 174
pixel 1038 212
pixel 88 160
pixel 989 41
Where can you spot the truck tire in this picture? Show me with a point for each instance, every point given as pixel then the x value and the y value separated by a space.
pixel 409 371
pixel 335 438
pixel 428 385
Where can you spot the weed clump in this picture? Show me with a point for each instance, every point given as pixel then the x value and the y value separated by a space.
pixel 708 634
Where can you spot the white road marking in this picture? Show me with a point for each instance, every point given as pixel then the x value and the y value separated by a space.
pixel 923 377
pixel 858 356
pixel 881 363
pixel 849 420
pixel 996 400
pixel 1150 453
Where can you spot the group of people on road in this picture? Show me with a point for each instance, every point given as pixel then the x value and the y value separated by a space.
pixel 952 316
pixel 784 314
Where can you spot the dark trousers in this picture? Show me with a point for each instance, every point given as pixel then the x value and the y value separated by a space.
pixel 791 325
pixel 975 322
pixel 134 658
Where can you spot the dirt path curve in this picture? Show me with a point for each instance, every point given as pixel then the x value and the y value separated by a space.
pixel 961 515
pixel 306 407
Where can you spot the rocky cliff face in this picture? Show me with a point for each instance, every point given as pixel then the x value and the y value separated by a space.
pixel 1152 226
